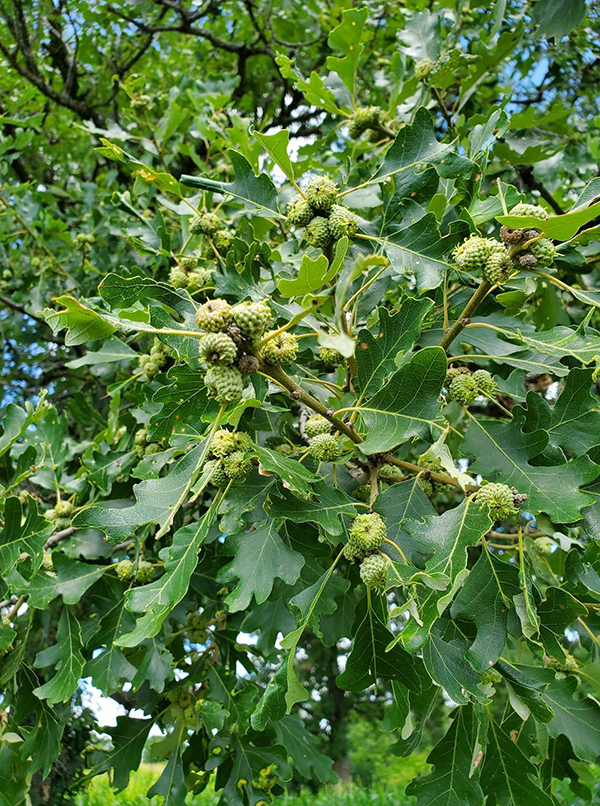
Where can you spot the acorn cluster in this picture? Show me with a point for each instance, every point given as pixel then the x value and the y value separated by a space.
pixel 331 357
pixel 183 706
pixel 500 499
pixel 143 573
pixel 60 514
pixel 216 237
pixel 325 220
pixel 486 256
pixel 322 444
pixel 196 628
pixel 229 461
pixel 141 446
pixel 464 386
pixel 442 73
pixel 151 363
pixel 429 485
pixel 367 118
pixel 365 537
pixel 189 273
pixel 534 250
pixel 226 328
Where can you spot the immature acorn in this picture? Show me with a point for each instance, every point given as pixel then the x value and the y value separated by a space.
pixel 252 318
pixel 485 383
pixel 543 251
pixel 342 221
pixel 365 118
pixel 225 384
pixel 279 350
pixel 317 425
pixel 463 389
pixel 214 315
pixel 324 447
pixel 219 478
pixel 321 193
pixel 331 357
pixel 499 500
pixel 236 466
pixel 217 348
pixel 534 210
pixel 225 442
pixel 373 571
pixel 145 572
pixel 472 254
pixel 299 212
pixel 497 268
pixel 124 570
pixel 318 232
pixel 205 224
pixel 366 534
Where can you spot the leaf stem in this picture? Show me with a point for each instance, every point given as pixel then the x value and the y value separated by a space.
pixel 464 319
pixel 397 547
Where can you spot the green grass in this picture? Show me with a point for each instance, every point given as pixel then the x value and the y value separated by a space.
pixel 99 793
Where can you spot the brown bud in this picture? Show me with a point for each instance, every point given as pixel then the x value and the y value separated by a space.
pixel 234 333
pixel 528 234
pixel 295 394
pixel 527 260
pixel 248 364
pixel 510 235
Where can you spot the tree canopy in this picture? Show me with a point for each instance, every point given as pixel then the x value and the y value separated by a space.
pixel 300 412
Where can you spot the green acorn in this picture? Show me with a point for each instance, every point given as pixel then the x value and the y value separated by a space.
pixel 299 212
pixel 426 485
pixel 225 442
pixel 214 315
pixel 200 278
pixel 324 447
pixel 63 508
pixel 252 318
pixel 364 118
pixel 189 263
pixel 463 389
pixel 362 493
pixel 366 533
pixel 236 466
pixel 225 384
pixel 124 570
pixel 499 499
pixel 178 277
pixel 50 514
pixel 205 224
pixel 316 425
pixel 534 210
pixel 318 232
pixel 497 268
pixel 544 252
pixel 219 478
pixel 473 253
pixel 217 348
pixel 484 381
pixel 544 545
pixel 281 349
pixel 342 221
pixel 453 371
pixel 284 449
pixel 222 240
pixel 145 572
pixel 331 357
pixel 152 448
pixel 423 69
pixel 373 571
pixel 321 193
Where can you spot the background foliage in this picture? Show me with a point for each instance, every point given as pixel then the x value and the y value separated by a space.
pixel 120 121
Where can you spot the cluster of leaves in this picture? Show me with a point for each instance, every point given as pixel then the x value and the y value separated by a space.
pixel 198 603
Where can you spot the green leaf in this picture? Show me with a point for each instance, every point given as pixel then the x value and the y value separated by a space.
pixel 508 775
pixel 276 145
pixel 111 351
pixel 407 405
pixel 81 323
pixel 269 619
pixel 158 598
pixel 171 785
pixel 557 18
pixel 397 715
pixel 486 599
pixel 525 692
pixel 446 539
pixel 22 539
pixel 420 38
pixel 451 782
pixel 313 604
pixel 157 501
pixel 257 193
pixel 185 406
pixel 573 422
pixel 70 580
pixel 302 747
pixel 156 666
pixel 128 738
pixel 314 274
pixel 66 657
pixel 289 470
pixel 399 505
pixel 261 557
pixel 326 507
pixel 446 664
pixel 314 90
pixel 503 451
pixel 376 353
pixel 369 661
pixel 557 227
pixel 347 39
pixel 416 144
pixel 557 612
